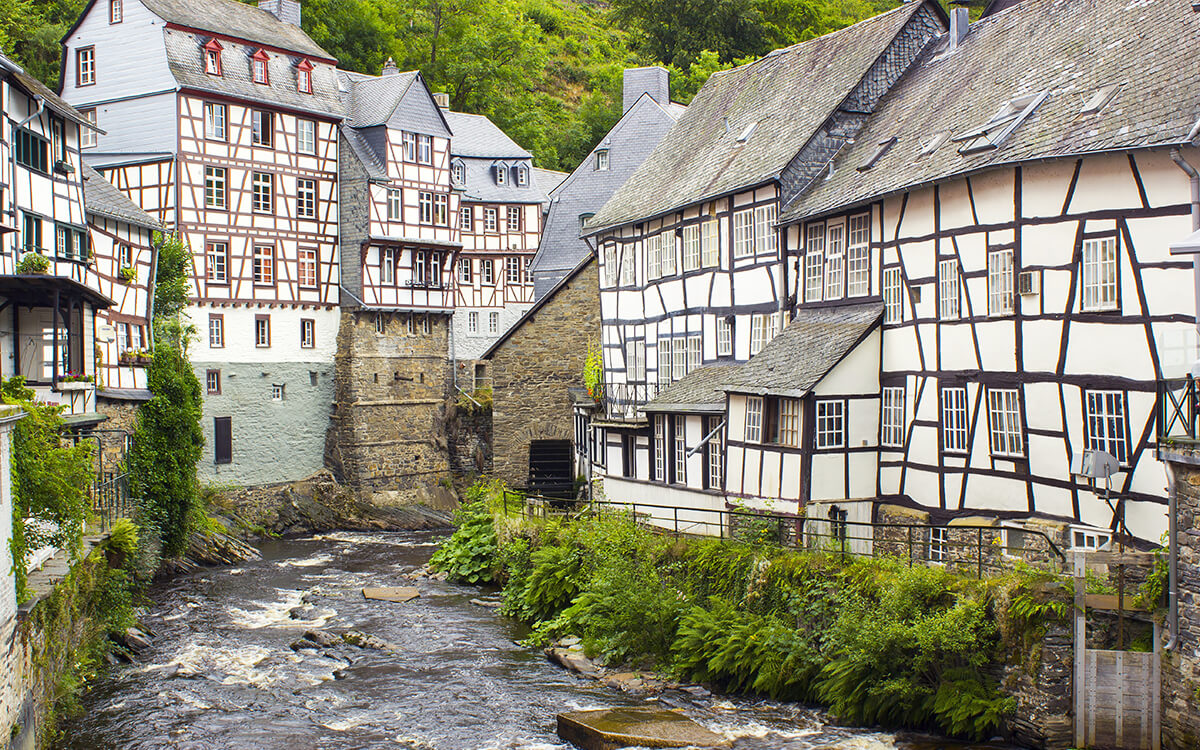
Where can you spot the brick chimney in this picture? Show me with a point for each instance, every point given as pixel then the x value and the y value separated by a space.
pixel 287 11
pixel 653 80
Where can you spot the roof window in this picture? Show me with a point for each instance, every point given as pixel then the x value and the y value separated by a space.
pixel 522 176
pixel 934 143
pixel 602 160
pixel 304 77
pixel 258 67
pixel 1099 99
pixel 1000 127
pixel 501 174
pixel 212 57
pixel 877 154
pixel 747 132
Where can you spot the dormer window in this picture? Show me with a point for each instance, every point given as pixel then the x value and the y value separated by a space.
pixel 602 160
pixel 304 77
pixel 501 175
pixel 993 133
pixel 212 57
pixel 258 67
pixel 458 172
pixel 522 176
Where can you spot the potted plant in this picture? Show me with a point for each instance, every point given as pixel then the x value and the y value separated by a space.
pixel 140 357
pixel 32 262
pixel 74 381
pixel 593 373
pixel 127 274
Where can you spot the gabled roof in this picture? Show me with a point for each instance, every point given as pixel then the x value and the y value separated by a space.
pixel 1069 50
pixel 371 100
pixel 477 136
pixel 700 391
pixel 779 101
pixel 480 183
pixel 793 362
pixel 102 198
pixel 34 87
pixel 230 18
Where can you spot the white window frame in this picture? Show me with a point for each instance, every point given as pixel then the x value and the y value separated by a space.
pixel 758 333
pixel 663 349
pixel 1004 422
pixel 1090 538
pixel 835 261
pixel 893 409
pixel 679 358
pixel 602 160
pixel 611 265
pixel 263 198
pixel 628 267
pixel 216 194
pixel 1106 423
pixel 395 204
pixel 216 332
pixel 263 264
pixel 949 295
pixel 789 422
pixel 938 544
pixel 955 425
pixel 277 391
pixel 473 322
pixel 710 245
pixel 306 198
pixel 694 353
pixel 306 136
pixel 387 266
pixel 424 149
pixel 513 218
pixel 679 448
pixel 691 247
pixel 493 322
pixel 216 257
pixel 487 271
pixel 466 218
pixel 716 456
pixel 660 448
pixel 512 270
pixel 464 270
pixel 831 423
pixel 666 251
pixel 814 262
pixel 766 239
pixel 858 256
pixel 754 414
pixel 653 257
pixel 408 142
pixel 425 207
pixel 308 333
pixel 743 233
pixel 724 337
pixel 489 219
pixel 1099 274
pixel 85 64
pixel 893 295
pixel 1000 276
pixel 306 274
pixel 215 121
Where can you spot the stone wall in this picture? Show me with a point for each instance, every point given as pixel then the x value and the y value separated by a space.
pixel 1181 665
pixel 387 437
pixel 469 432
pixel 1041 682
pixel 534 367
pixel 122 416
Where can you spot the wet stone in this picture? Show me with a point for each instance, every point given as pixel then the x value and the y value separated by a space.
pixel 612 728
pixel 398 594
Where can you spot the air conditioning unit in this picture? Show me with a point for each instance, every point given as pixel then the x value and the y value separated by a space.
pixel 1028 282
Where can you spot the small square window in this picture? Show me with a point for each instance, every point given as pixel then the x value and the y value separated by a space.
pixel 277 392
pixel 602 160
pixel 308 333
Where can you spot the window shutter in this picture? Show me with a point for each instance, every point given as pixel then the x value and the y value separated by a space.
pixel 223 440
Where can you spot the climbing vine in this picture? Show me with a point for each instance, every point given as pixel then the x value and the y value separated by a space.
pixel 593 372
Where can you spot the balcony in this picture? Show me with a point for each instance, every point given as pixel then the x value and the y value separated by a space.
pixel 624 401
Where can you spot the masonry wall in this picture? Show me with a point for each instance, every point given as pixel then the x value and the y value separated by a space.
pixel 122 418
pixel 1181 666
pixel 387 437
pixel 534 367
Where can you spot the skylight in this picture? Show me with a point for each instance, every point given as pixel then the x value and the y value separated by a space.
pixel 882 148
pixel 745 136
pixel 935 142
pixel 993 133
pixel 1099 98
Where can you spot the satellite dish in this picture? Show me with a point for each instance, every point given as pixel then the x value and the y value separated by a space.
pixel 105 333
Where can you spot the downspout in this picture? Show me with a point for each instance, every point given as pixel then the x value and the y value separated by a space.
pixel 1173 544
pixel 12 157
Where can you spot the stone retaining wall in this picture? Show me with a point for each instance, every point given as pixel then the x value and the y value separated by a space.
pixel 1181 666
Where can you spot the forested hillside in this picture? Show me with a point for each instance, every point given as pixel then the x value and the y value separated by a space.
pixel 547 71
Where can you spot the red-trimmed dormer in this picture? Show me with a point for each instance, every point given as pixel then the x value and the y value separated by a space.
pixel 258 67
pixel 212 57
pixel 304 76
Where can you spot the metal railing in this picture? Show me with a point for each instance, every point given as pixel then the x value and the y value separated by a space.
pixel 625 400
pixel 970 548
pixel 1176 410
pixel 111 500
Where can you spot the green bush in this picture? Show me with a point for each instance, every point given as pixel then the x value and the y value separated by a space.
pixel 470 554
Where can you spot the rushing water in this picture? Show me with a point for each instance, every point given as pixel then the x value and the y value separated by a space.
pixel 221 674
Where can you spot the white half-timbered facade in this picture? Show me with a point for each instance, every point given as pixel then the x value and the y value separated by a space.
pixel 222 122
pixel 50 291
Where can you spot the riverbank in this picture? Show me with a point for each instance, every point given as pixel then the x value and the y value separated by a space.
pixel 874 640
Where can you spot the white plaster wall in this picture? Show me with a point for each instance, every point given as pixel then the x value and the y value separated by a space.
pixel 285 335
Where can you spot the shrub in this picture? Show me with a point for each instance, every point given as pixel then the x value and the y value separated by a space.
pixel 470 553
pixel 31 263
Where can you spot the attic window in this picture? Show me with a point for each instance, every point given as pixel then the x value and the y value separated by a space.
pixel 258 67
pixel 1099 99
pixel 602 160
pixel 212 57
pixel 1003 123
pixel 458 172
pixel 522 176
pixel 304 77
pixel 880 150
pixel 745 134
pixel 501 175
pixel 934 143
pixel 583 219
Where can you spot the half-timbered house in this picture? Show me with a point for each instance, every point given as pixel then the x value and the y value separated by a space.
pixel 500 221
pixel 221 119
pixel 692 270
pixel 50 291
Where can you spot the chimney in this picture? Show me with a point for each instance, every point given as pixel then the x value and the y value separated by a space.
pixel 442 99
pixel 287 11
pixel 654 81
pixel 389 68
pixel 960 20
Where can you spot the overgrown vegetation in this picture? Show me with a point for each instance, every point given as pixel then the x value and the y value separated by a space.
pixel 876 641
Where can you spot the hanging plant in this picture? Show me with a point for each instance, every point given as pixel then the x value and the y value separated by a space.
pixel 32 263
pixel 593 372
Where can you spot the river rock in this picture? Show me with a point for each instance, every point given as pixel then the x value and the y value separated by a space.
pixel 613 728
pixel 366 640
pixel 305 644
pixel 398 594
pixel 134 640
pixel 324 639
pixel 304 612
pixel 487 604
pixel 573 661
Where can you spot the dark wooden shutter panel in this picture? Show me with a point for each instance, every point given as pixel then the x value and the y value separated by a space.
pixel 223 439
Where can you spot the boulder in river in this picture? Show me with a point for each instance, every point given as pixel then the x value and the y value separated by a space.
pixel 366 640
pixel 613 728
pixel 322 638
pixel 398 594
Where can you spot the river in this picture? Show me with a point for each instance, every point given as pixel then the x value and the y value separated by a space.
pixel 221 674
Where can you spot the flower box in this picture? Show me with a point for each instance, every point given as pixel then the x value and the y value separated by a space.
pixel 136 359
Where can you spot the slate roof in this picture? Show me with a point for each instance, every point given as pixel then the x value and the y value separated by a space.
pixel 235 19
pixel 477 136
pixel 804 352
pixel 701 390
pixel 185 59
pixel 786 95
pixel 371 100
pixel 548 180
pixel 101 197
pixel 481 183
pixel 1067 49
pixel 362 148
pixel 585 190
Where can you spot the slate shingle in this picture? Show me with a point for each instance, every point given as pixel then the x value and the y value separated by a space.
pixel 700 391
pixel 230 18
pixel 101 197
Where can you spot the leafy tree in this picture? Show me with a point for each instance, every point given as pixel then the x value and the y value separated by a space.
pixel 171 285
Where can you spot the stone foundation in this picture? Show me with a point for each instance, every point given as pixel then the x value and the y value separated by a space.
pixel 1181 665
pixel 122 417
pixel 1042 690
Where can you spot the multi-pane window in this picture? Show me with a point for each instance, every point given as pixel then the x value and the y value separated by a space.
pixel 754 414
pixel 666 251
pixel 835 262
pixel 1100 274
pixel 724 337
pixel 610 265
pixel 466 218
pixel 788 432
pixel 512 269
pixel 212 382
pixel 522 176
pixel 948 292
pixel 307 271
pixel 263 184
pixel 308 333
pixel 602 160
pixel 716 455
pixel 938 544
pixel 891 431
pixel 1106 423
pixel 425 149
pixel 306 198
pixel 88 136
pixel 85 66
pixel 514 218
pixel 71 244
pixel 487 271
pixel 216 331
pixel 395 204
pixel 425 203
pixel 264 264
pixel 493 322
pixel 458 172
pixel 1000 282
pixel 693 353
pixel 33 152
pixel 304 81
pixel 758 334
pixel 419 268
pixel 262 125
pixel 212 61
pixel 893 296
pixel 306 136
pixel 116 11
pixel 858 257
pixel 277 391
pixel 124 255
pixel 814 263
pixel 628 268
pixel 680 449
pixel 664 361
pixel 660 448
pixel 31 231
pixel 710 249
pixel 464 270
pixel 215 121
pixel 635 361
pixel 743 233
pixel 653 257
pixel 258 68
pixel 489 219
pixel 691 247
pixel 409 142
pixel 441 210
pixel 679 358
pixel 501 175
pixel 831 424
pixel 954 419
pixel 216 255
pixel 1004 421
pixel 765 238
pixel 472 322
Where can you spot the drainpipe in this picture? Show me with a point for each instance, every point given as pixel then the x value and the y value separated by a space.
pixel 12 157
pixel 1173 545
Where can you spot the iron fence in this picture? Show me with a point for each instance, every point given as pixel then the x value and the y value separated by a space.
pixel 970 548
pixel 111 500
pixel 1176 410
pixel 625 400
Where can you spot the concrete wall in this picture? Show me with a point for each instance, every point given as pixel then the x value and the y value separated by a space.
pixel 534 367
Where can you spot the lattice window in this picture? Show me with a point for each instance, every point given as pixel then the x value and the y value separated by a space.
pixel 306 198
pixel 263 185
pixel 954 420
pixel 766 239
pixel 814 263
pixel 472 322
pixel 514 218
pixel 679 359
pixel 893 296
pixel 835 262
pixel 710 247
pixel 1106 423
pixel 395 204
pixel 611 268
pixel 743 233
pixel 892 418
pixel 307 276
pixel 487 270
pixel 262 331
pixel 308 333
pixel 424 149
pixel 1004 421
pixel 789 421
pixel 1100 274
pixel 664 361
pixel 264 265
pixel 691 247
pixel 216 255
pixel 512 269
pixel 466 218
pixel 653 257
pixel 216 331
pixel 666 249
pixel 215 123
pixel 628 267
pixel 306 136
pixel 716 455
pixel 660 448
pixel 858 256
pixel 215 195
pixel 724 337
pixel 831 424
pixel 493 322
pixel 85 66
pixel 489 220
pixel 1000 282
pixel 425 205
pixel 948 289
pixel 88 138
pixel 693 353
pixel 754 414
pixel 938 547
